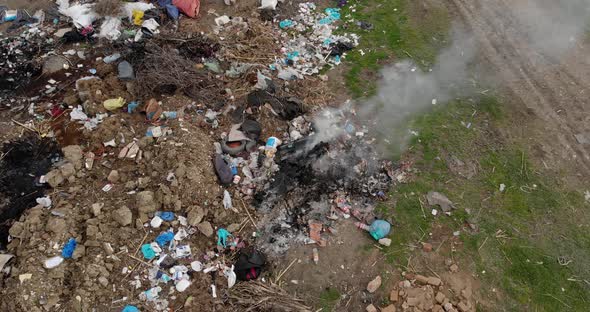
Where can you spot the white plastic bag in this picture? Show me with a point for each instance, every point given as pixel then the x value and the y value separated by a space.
pixel 82 14
pixel 268 4
pixel 110 28
pixel 227 204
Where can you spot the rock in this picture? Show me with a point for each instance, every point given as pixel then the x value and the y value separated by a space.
pixel 233 227
pixel 434 281
pixel 421 279
pixel 427 247
pixel 143 182
pixel 454 268
pixel 54 178
pixel 113 176
pixel 412 301
pixel 67 170
pixel 79 252
pixel 436 198
pixel 394 295
pixel 16 230
pixel 389 308
pixel 53 64
pixel 205 228
pixel 405 284
pixel 462 306
pixel 96 209
pixel 56 226
pixel 103 281
pixel 437 308
pixel 123 215
pixel 371 308
pixel 448 307
pixel 466 293
pixel 440 297
pixel 125 71
pixel 374 284
pixel 92 231
pixel 582 138
pixel 73 153
pixel 385 241
pixel 195 216
pixel 145 202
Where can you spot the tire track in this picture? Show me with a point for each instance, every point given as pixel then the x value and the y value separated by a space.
pixel 541 83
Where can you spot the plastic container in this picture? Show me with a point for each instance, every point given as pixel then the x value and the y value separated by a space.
pixel 271 146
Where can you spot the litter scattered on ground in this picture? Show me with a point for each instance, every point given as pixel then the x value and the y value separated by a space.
pixel 163 167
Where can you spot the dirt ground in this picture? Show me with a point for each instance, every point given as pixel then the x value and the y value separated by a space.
pixel 547 92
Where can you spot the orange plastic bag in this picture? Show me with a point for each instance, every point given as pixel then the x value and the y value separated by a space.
pixel 188 7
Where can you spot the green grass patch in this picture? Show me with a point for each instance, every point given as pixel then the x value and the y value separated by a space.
pixel 400 30
pixel 525 231
pixel 329 298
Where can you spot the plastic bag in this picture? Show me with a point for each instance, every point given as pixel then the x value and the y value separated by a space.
pixel 110 28
pixel 113 104
pixel 379 229
pixel 268 4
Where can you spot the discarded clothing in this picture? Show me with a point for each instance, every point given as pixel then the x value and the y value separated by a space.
pixel 170 8
pixel 188 7
pixel 251 129
pixel 223 170
pixel 249 264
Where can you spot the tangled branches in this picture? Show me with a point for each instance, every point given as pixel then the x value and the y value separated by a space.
pixel 162 70
pixel 257 296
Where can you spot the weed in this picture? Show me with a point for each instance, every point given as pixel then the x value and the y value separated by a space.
pixel 329 298
pixel 393 36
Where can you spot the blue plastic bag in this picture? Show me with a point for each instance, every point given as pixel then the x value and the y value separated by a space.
pixel 379 229
pixel 69 248
pixel 286 23
pixel 166 215
pixel 164 238
pixel 130 308
pixel 148 252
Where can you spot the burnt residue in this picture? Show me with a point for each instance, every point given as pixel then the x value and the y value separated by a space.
pixel 19 62
pixel 23 162
pixel 309 174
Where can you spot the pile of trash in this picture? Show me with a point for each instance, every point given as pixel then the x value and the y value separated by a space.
pixel 176 137
pixel 311 41
pixel 19 61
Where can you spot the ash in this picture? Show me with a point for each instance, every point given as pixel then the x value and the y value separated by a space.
pixel 321 178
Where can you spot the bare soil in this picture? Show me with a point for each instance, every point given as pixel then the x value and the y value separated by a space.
pixel 547 93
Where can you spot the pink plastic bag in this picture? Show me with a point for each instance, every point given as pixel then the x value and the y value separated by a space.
pixel 188 7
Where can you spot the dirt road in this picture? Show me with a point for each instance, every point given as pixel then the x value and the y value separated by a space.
pixel 551 86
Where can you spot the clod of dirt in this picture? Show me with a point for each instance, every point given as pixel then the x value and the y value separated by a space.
pixel 374 284
pixel 205 228
pixel 123 216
